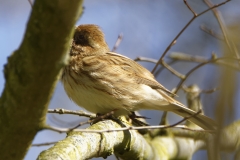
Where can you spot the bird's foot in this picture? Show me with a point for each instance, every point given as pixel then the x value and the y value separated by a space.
pixel 136 121
pixel 109 115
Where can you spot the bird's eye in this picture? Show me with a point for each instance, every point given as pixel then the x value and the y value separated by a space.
pixel 81 38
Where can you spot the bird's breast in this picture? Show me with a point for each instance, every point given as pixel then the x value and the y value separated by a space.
pixel 95 95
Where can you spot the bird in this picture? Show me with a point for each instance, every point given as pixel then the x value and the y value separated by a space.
pixel 102 81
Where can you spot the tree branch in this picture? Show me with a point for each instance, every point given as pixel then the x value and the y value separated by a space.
pixel 128 144
pixel 32 72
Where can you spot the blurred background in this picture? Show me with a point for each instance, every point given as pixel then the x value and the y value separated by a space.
pixel 147 28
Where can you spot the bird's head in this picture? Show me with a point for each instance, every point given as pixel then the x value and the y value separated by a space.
pixel 88 39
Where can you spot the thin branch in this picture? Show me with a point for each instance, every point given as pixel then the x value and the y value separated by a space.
pixel 186 57
pixel 173 71
pixel 214 6
pixel 222 25
pixel 214 60
pixel 211 32
pixel 65 111
pixel 43 144
pixel 78 113
pixel 198 59
pixel 64 130
pixel 175 125
pixel 145 59
pixel 94 120
pixel 186 89
pixel 184 28
pixel 190 8
pixel 119 40
pixel 81 124
pixel 190 58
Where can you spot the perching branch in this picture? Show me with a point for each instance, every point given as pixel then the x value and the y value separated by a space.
pixel 125 144
pixel 107 137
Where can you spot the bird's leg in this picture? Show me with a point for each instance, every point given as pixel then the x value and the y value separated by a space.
pixel 100 117
pixel 109 115
pixel 137 122
pixel 133 115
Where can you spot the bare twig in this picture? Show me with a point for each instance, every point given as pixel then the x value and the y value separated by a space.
pixel 198 59
pixel 210 90
pixel 175 125
pixel 186 89
pixel 184 28
pixel 179 75
pixel 190 58
pixel 92 119
pixel 173 71
pixel 95 119
pixel 43 144
pixel 79 113
pixel 213 60
pixel 190 8
pixel 222 25
pixel 81 124
pixel 145 59
pixel 186 57
pixel 211 32
pixel 65 111
pixel 119 39
pixel 64 130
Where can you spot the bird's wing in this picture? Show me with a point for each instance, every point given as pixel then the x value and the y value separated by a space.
pixel 142 75
pixel 138 73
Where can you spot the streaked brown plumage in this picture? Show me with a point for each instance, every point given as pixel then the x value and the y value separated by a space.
pixel 102 81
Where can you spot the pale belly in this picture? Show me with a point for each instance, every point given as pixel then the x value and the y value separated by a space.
pixel 92 99
pixel 95 100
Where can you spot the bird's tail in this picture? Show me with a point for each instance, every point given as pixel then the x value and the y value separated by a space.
pixel 181 110
pixel 198 119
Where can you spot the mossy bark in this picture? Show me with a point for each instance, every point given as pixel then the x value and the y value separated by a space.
pixel 32 72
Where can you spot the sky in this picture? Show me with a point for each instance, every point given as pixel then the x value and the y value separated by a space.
pixel 147 28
